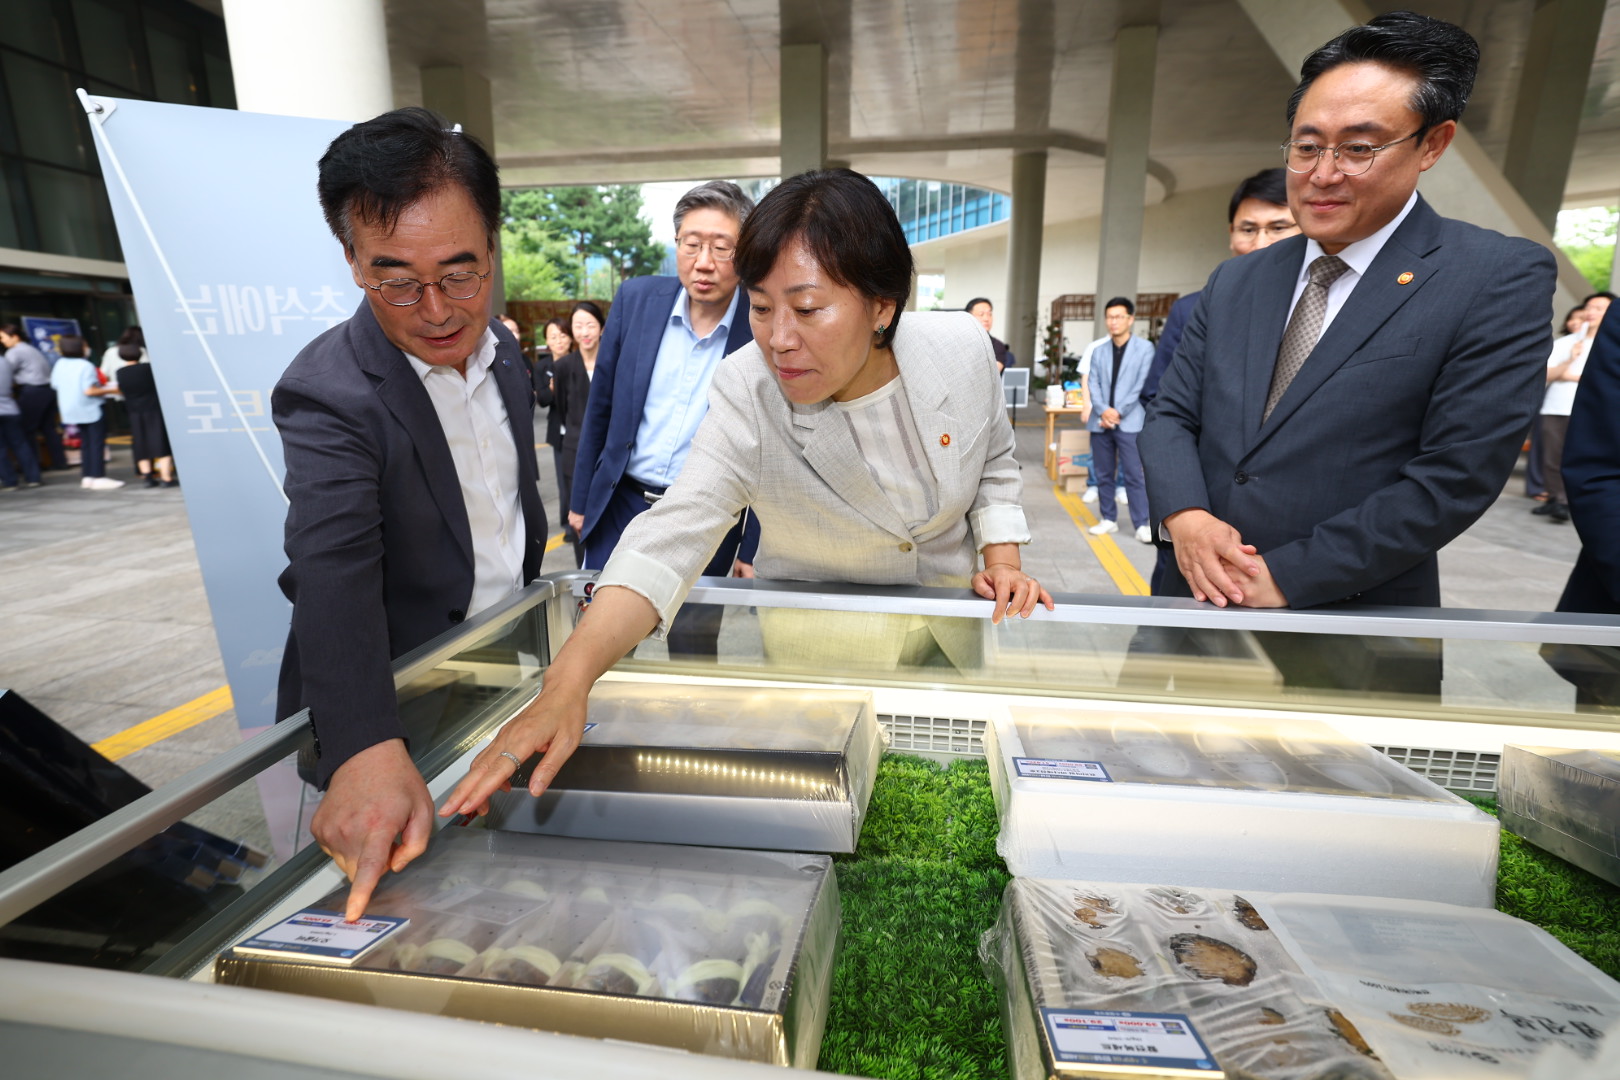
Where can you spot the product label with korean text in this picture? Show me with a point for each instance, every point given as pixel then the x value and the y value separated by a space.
pixel 1108 1037
pixel 1056 769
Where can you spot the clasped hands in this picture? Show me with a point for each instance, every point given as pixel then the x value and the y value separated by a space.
pixel 1218 565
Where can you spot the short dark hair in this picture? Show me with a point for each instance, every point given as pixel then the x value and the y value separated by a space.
pixel 715 195
pixel 1603 294
pixel 848 226
pixel 1444 58
pixel 1267 185
pixel 11 329
pixel 565 325
pixel 72 345
pixel 588 307
pixel 1121 301
pixel 975 302
pixel 378 169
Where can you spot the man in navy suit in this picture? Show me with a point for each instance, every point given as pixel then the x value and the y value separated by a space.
pixel 1346 402
pixel 663 339
pixel 413 497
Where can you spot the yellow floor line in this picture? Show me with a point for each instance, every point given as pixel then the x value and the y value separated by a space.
pixel 161 727
pixel 1108 553
pixel 189 715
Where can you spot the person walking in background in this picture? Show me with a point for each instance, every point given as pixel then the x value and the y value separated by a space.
pixel 1535 485
pixel 1118 365
pixel 559 343
pixel 130 343
pixel 981 308
pixel 1564 369
pixel 78 398
pixel 13 442
pixel 571 382
pixel 151 438
pixel 36 400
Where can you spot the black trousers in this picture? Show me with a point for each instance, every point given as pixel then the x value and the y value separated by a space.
pixel 694 633
pixel 38 407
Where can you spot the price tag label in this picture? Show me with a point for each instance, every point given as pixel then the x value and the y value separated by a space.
pixel 1056 769
pixel 1157 1040
pixel 317 933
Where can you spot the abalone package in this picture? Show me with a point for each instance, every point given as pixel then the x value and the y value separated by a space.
pixel 713 951
pixel 1219 799
pixel 1084 964
pixel 775 768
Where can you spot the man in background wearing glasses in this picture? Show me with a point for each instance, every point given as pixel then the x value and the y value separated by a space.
pixel 1347 401
pixel 413 497
pixel 663 340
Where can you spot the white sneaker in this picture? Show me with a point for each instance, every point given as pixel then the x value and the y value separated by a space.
pixel 1124 497
pixel 1144 534
pixel 87 483
pixel 102 483
pixel 1090 497
pixel 1103 528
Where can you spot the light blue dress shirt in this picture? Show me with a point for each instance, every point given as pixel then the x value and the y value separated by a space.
pixel 72 376
pixel 678 395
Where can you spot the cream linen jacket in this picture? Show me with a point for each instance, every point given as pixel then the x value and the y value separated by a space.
pixel 822 516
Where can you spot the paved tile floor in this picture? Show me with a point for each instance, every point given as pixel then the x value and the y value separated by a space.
pixel 104 622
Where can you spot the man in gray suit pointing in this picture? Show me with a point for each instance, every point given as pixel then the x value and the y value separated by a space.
pixel 1345 402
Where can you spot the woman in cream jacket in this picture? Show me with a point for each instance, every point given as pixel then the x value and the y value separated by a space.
pixel 871 455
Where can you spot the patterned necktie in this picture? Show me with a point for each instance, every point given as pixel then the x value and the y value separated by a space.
pixel 1304 327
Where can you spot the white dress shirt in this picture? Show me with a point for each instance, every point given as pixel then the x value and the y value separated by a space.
pixel 886 435
pixel 1559 400
pixel 1357 256
pixel 476 426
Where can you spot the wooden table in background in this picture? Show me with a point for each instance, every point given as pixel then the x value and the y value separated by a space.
pixel 1051 436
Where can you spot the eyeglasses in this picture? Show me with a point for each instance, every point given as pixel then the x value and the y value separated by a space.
pixel 1276 232
pixel 1351 158
pixel 719 250
pixel 403 292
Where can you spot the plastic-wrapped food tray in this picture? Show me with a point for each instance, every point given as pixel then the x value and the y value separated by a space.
pixel 1222 802
pixel 1566 801
pixel 719 766
pixel 709 950
pixel 1282 986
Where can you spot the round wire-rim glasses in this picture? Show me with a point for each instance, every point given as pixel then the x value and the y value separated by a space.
pixel 403 292
pixel 1350 158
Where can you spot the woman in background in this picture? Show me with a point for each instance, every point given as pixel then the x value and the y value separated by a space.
pixel 151 438
pixel 572 379
pixel 78 399
pixel 559 343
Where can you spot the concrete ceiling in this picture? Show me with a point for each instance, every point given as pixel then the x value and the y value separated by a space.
pixel 642 90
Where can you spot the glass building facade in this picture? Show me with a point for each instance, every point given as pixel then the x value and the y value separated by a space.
pixel 928 209
pixel 52 198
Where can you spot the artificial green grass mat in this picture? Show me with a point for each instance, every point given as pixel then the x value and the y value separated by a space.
pixel 1576 907
pixel 909 996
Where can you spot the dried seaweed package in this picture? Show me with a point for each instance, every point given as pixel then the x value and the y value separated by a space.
pixel 1104 979
pixel 1218 799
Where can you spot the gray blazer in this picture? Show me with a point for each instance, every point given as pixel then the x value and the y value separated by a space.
pixel 1395 436
pixel 1133 370
pixel 822 516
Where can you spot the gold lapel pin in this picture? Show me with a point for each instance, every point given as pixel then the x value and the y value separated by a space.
pixel 945 440
pixel 1405 279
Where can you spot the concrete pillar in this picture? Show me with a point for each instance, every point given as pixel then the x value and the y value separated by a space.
pixel 1614 267
pixel 462 97
pixel 1552 92
pixel 1023 321
pixel 310 58
pixel 1466 184
pixel 1130 120
pixel 804 108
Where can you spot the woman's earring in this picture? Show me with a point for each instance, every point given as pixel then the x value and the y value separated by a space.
pixel 881 327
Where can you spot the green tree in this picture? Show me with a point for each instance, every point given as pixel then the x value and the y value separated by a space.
pixel 1587 237
pixel 531 272
pixel 602 220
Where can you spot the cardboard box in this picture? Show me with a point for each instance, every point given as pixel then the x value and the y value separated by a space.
pixel 707 950
pixel 1221 800
pixel 1566 802
pixel 1075 483
pixel 714 766
pixel 1108 979
pixel 1074 452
